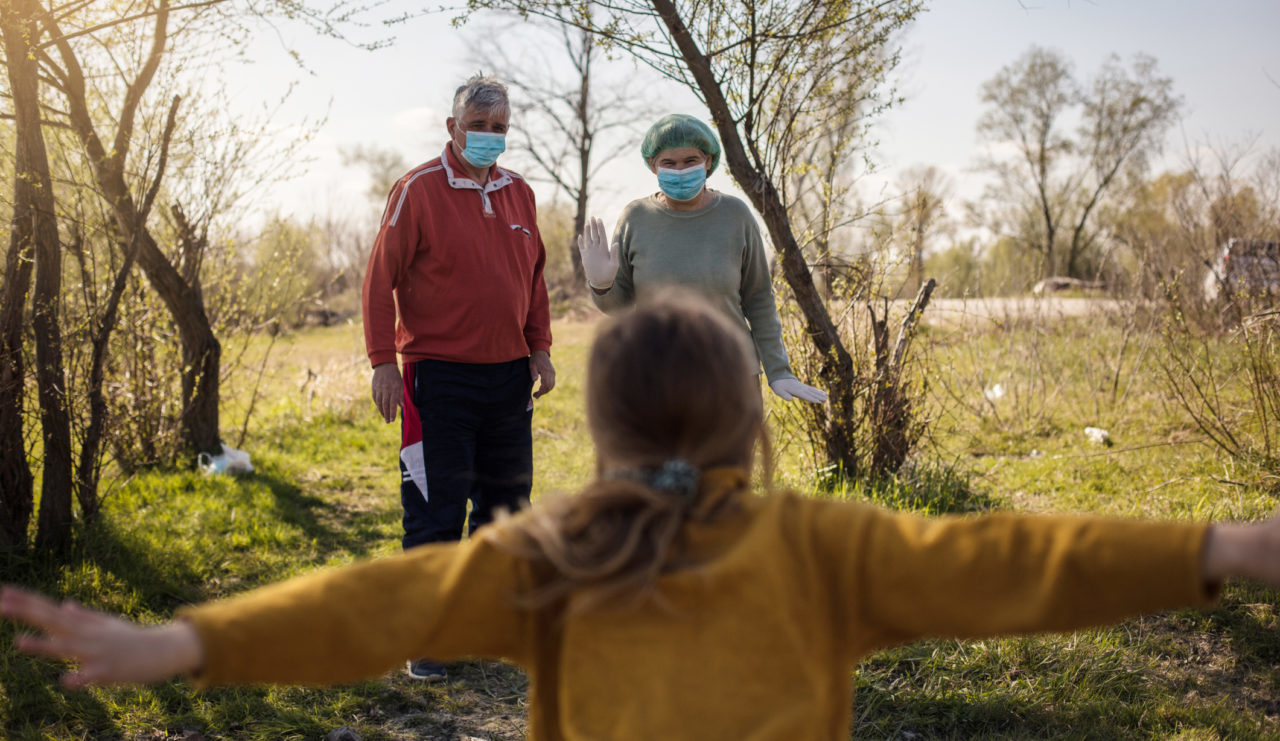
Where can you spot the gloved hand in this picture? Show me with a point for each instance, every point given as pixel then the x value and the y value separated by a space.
pixel 790 388
pixel 599 259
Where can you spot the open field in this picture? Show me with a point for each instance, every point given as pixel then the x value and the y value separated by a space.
pixel 326 492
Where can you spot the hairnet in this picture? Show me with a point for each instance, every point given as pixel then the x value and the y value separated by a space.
pixel 680 130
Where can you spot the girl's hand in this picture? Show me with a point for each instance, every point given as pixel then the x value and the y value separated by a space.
pixel 107 648
pixel 1250 551
pixel 599 259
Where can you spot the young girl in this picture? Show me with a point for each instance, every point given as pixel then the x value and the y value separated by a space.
pixel 665 600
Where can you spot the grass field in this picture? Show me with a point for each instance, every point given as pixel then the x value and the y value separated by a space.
pixel 325 491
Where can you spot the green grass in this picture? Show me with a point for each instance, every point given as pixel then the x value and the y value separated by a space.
pixel 1187 674
pixel 325 491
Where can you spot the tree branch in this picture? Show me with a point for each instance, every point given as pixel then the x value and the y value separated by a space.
pixel 60 37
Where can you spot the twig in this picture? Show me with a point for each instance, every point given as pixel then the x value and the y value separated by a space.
pixel 1158 486
pixel 257 385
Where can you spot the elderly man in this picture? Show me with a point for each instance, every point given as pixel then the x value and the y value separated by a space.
pixel 455 286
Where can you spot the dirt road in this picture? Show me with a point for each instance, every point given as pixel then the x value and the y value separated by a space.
pixel 956 311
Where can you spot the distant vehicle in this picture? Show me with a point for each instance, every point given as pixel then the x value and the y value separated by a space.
pixel 1244 267
pixel 1060 283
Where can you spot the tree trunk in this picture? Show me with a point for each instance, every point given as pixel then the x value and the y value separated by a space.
pixel 1041 171
pixel 87 474
pixel 920 213
pixel 584 170
pixel 583 111
pixel 891 412
pixel 1050 254
pixel 201 352
pixel 17 493
pixel 53 529
pixel 917 255
pixel 579 225
pixel 35 216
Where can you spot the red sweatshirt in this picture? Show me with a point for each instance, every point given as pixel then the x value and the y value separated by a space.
pixel 456 271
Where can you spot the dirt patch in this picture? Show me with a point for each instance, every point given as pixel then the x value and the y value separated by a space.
pixel 1217 665
pixel 480 701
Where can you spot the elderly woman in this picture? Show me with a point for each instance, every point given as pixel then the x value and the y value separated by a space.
pixel 690 236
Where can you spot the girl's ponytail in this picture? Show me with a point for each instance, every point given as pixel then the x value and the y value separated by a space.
pixel 672 390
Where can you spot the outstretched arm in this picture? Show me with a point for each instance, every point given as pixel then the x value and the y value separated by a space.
pixel 905 577
pixel 445 601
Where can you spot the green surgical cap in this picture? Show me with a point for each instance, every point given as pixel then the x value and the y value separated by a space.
pixel 680 130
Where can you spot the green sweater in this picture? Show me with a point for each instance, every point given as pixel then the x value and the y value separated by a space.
pixel 757 642
pixel 716 251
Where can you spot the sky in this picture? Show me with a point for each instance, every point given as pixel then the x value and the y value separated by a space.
pixel 1221 54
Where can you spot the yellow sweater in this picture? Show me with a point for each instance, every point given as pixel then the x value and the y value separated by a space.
pixel 757 643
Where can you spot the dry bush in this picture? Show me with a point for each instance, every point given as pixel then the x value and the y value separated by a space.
pixel 1228 383
pixel 887 418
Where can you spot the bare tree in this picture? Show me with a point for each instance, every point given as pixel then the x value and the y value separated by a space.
pixel 570 126
pixel 1027 101
pixel 923 192
pixel 1126 115
pixel 384 167
pixel 89 70
pixel 1054 182
pixel 108 152
pixel 821 197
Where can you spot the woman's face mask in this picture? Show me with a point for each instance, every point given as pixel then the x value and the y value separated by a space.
pixel 682 185
pixel 483 147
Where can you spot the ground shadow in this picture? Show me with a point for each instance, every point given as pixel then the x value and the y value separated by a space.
pixel 331 526
pixel 33 701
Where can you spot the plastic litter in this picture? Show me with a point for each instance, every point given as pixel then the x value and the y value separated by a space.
pixel 228 461
pixel 1098 436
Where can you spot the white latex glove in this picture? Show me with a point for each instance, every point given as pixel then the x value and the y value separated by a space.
pixel 790 388
pixel 599 259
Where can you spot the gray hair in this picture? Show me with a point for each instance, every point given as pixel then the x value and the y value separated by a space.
pixel 482 92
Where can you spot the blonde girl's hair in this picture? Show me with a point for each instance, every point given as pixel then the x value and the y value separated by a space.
pixel 671 386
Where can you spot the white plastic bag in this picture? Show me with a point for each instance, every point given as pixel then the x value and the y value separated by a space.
pixel 229 460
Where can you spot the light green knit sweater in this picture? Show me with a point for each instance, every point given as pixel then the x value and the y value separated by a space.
pixel 716 251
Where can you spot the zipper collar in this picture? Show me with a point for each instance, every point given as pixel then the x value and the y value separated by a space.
pixel 498 179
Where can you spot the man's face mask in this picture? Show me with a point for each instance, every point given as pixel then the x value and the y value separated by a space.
pixel 483 147
pixel 682 185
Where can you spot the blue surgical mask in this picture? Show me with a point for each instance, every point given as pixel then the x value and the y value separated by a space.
pixel 682 185
pixel 483 147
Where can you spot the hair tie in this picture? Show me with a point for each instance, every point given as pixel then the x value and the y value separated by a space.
pixel 677 476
